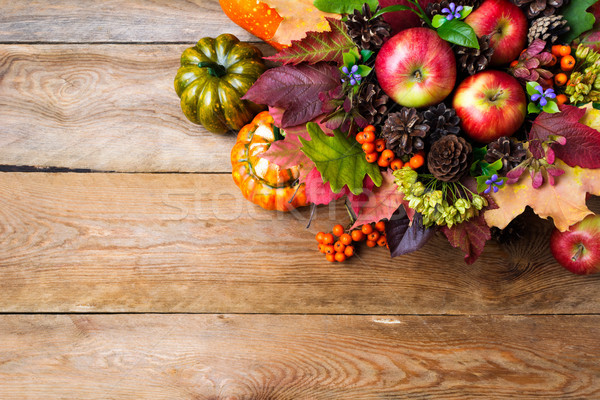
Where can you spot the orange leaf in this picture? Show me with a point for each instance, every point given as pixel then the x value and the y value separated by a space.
pixel 299 17
pixel 564 202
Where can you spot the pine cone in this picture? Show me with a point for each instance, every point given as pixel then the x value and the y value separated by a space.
pixel 436 8
pixel 548 29
pixel 367 33
pixel 473 60
pixel 404 131
pixel 449 158
pixel 442 121
pixel 509 150
pixel 373 103
pixel 535 8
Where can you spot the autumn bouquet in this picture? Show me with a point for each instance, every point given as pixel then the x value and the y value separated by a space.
pixel 425 116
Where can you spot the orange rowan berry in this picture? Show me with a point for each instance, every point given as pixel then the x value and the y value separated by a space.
pixel 349 252
pixel 328 238
pixel 553 61
pixel 564 51
pixel 371 243
pixel 339 247
pixel 340 257
pixel 379 145
pixel 561 79
pixel 329 249
pixel 322 248
pixel 373 236
pixel 359 137
pixel 368 147
pixel 330 257
pixel 416 161
pixel 366 229
pixel 387 155
pixel 514 63
pixel 319 237
pixel 382 241
pixel 346 239
pixel 567 63
pixel 369 128
pixel 368 136
pixel 338 230
pixel 380 226
pixel 396 164
pixel 556 50
pixel 382 162
pixel 357 235
pixel 561 99
pixel 371 157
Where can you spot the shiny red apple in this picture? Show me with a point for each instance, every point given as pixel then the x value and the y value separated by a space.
pixel 490 104
pixel 578 248
pixel 506 24
pixel 416 68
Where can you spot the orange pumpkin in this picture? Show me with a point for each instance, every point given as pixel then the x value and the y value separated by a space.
pixel 261 181
pixel 256 17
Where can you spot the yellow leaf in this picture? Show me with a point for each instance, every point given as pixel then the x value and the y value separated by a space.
pixel 299 17
pixel 591 117
pixel 563 202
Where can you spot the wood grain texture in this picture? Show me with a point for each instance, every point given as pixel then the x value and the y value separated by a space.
pixel 191 243
pixel 102 107
pixel 209 357
pixel 93 21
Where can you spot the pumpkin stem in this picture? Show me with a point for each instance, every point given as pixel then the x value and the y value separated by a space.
pixel 214 69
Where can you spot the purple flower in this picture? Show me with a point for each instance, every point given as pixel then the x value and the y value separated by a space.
pixel 542 95
pixel 493 183
pixel 351 74
pixel 453 12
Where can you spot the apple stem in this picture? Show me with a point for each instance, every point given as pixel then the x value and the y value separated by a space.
pixel 580 249
pixel 497 95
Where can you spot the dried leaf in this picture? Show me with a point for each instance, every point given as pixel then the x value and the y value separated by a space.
pixel 469 236
pixel 564 202
pixel 317 46
pixel 583 143
pixel 381 202
pixel 404 236
pixel 299 17
pixel 295 89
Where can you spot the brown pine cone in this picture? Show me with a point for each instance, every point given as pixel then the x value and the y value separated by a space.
pixel 442 121
pixel 509 150
pixel 544 8
pixel 449 158
pixel 367 33
pixel 472 60
pixel 404 131
pixel 548 29
pixel 373 103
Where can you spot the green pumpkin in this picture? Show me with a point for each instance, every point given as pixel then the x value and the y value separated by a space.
pixel 213 76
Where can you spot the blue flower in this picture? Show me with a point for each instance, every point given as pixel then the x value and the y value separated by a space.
pixel 493 183
pixel 542 95
pixel 453 12
pixel 351 74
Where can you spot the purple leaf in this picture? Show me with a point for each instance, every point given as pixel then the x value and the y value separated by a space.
pixel 404 237
pixel 295 89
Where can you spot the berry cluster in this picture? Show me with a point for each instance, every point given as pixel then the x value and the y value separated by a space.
pixel 375 151
pixel 343 248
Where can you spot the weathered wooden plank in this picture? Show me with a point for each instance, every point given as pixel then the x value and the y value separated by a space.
pixel 215 357
pixel 191 243
pixel 94 21
pixel 101 107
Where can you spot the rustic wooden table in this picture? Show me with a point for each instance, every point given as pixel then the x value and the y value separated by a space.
pixel 132 268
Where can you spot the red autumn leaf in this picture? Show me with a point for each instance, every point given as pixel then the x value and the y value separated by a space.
pixel 469 236
pixel 583 143
pixel 295 89
pixel 317 46
pixel 381 202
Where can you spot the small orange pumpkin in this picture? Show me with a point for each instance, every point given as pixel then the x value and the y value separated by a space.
pixel 262 182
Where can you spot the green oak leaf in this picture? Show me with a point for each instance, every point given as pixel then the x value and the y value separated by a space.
pixel 340 159
pixel 458 32
pixel 578 18
pixel 344 6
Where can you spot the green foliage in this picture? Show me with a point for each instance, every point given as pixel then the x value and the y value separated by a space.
pixel 343 6
pixel 458 32
pixel 339 159
pixel 578 18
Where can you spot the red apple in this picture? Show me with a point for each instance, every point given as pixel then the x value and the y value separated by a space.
pixel 401 20
pixel 578 249
pixel 490 104
pixel 506 23
pixel 416 68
